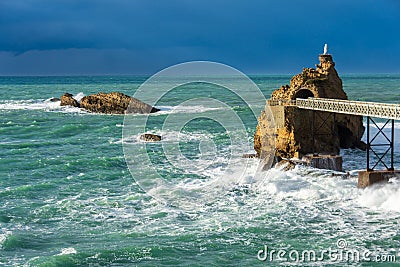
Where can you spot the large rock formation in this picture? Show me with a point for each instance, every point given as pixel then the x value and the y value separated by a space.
pixel 323 82
pixel 293 129
pixel 110 103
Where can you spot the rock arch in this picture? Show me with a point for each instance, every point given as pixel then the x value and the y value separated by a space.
pixel 303 93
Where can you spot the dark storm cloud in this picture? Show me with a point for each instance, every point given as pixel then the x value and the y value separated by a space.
pixel 43 25
pixel 255 35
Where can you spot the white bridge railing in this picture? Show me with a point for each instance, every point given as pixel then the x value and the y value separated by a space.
pixel 369 109
pixel 281 102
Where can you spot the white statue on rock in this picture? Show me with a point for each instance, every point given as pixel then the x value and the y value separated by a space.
pixel 325 49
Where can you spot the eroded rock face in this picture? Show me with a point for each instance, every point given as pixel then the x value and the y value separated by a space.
pixel 110 103
pixel 68 100
pixel 293 131
pixel 323 82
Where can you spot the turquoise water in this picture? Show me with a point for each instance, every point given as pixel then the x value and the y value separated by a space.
pixel 67 197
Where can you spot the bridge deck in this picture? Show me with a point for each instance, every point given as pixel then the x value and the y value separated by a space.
pixel 369 109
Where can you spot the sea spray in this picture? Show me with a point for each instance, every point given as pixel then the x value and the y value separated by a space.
pixel 47 207
pixel 383 197
pixel 79 96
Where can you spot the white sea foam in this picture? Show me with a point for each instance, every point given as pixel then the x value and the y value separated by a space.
pixel 300 184
pixel 38 104
pixel 29 104
pixel 303 186
pixel 382 196
pixel 49 105
pixel 66 251
pixel 41 104
pixel 79 96
pixel 303 198
pixel 184 109
pixel 167 136
pixel 3 237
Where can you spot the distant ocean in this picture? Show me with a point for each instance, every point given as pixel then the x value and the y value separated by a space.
pixel 67 197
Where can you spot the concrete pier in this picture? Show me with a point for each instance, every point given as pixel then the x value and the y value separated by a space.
pixel 367 178
pixel 321 161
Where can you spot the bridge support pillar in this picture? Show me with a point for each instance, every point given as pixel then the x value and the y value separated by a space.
pixel 367 178
pixel 381 152
pixel 372 147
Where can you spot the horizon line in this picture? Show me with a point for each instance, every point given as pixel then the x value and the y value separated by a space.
pixel 149 75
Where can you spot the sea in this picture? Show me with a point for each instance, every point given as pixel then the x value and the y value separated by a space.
pixel 79 189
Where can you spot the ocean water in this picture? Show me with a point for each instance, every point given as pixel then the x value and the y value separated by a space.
pixel 68 198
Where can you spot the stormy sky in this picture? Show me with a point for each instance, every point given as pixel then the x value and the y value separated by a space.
pixel 76 37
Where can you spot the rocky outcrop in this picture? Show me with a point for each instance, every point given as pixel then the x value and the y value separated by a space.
pixel 68 100
pixel 150 137
pixel 109 103
pixel 323 82
pixel 115 103
pixel 293 130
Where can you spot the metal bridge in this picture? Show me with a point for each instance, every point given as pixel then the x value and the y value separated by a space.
pixel 368 109
pixel 390 112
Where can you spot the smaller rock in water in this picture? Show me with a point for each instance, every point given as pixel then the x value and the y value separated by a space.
pixel 68 100
pixel 150 137
pixel 54 99
pixel 249 156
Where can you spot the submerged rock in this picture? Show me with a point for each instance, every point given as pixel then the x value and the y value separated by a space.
pixel 150 137
pixel 68 100
pixel 54 99
pixel 292 135
pixel 109 103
